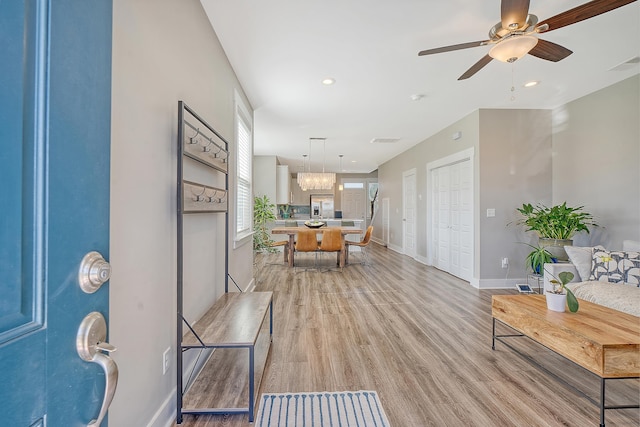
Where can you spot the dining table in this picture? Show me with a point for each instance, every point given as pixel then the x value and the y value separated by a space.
pixel 292 231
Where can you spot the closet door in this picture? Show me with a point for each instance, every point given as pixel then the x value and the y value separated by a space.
pixel 452 210
pixel 441 210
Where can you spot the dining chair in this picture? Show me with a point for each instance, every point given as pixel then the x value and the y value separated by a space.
pixel 306 242
pixel 363 245
pixel 284 243
pixel 332 242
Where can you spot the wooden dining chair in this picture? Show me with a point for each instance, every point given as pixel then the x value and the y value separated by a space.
pixel 306 242
pixel 332 242
pixel 363 244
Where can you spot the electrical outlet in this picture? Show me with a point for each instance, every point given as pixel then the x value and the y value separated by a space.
pixel 166 360
pixel 505 262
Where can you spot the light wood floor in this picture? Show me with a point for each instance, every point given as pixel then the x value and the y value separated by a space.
pixel 419 337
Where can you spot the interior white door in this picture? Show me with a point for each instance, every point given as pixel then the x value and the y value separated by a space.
pixel 409 212
pixel 452 211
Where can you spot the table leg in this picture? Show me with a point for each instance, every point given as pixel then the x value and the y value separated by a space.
pixel 342 253
pixel 602 402
pixel 291 242
pixel 251 374
pixel 493 334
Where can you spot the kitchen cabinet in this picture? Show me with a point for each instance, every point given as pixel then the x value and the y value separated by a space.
pixel 283 185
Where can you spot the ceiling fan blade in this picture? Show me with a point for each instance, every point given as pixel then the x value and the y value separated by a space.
pixel 452 47
pixel 550 51
pixel 476 67
pixel 514 12
pixel 580 13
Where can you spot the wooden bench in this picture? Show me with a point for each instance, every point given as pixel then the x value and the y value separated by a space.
pixel 234 321
pixel 602 340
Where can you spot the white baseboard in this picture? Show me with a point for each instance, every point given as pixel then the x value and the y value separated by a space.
pixel 499 283
pixel 421 259
pixel 165 416
pixel 396 248
pixel 378 241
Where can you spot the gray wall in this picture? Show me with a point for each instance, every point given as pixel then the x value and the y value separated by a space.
pixel 162 52
pixel 587 152
pixel 596 148
pixel 515 168
pixel 390 178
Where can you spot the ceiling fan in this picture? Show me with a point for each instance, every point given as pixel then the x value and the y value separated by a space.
pixel 513 37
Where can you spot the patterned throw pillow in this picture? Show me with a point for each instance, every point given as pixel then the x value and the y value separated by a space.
pixel 607 266
pixel 632 268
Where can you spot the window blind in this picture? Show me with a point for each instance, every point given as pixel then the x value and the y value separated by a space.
pixel 243 172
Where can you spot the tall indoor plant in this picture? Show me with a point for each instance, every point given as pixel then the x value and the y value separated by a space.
pixel 555 225
pixel 263 214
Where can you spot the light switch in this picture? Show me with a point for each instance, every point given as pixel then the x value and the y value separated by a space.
pixel 491 213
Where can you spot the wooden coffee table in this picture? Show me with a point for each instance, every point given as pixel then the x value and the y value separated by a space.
pixel 604 341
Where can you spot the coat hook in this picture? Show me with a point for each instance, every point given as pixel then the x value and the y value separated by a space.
pixel 191 138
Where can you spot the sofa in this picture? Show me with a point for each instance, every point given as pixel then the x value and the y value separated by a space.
pixel 608 278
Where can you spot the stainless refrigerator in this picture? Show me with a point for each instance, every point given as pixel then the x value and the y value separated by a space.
pixel 321 206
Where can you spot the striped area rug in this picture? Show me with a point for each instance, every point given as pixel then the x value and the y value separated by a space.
pixel 325 409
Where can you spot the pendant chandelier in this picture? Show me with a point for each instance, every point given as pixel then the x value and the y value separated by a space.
pixel 316 181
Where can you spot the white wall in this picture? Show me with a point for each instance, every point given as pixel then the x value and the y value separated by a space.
pixel 265 177
pixel 163 51
pixel 596 163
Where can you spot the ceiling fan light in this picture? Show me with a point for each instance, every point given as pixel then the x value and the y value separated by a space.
pixel 513 48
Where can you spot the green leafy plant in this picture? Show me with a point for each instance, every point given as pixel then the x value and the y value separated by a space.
pixel 285 211
pixel 562 280
pixel 537 258
pixel 556 222
pixel 262 214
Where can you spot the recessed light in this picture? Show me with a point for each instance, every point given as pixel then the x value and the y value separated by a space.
pixel 531 83
pixel 354 161
pixel 417 96
pixel 328 81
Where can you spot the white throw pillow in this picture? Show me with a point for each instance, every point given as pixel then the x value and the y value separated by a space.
pixel 581 257
pixel 631 246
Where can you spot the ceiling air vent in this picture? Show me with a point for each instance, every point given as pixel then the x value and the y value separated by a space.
pixel 627 65
pixel 384 140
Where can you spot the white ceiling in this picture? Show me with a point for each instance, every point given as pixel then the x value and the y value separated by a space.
pixel 282 49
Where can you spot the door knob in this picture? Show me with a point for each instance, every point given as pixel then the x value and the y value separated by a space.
pixel 94 272
pixel 90 343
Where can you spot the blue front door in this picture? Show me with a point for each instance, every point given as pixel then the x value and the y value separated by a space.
pixel 55 91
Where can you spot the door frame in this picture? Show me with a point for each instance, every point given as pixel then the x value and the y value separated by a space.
pixel 405 174
pixel 468 154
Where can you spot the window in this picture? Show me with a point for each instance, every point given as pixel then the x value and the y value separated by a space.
pixel 243 171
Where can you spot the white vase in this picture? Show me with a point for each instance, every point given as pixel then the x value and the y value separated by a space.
pixel 556 302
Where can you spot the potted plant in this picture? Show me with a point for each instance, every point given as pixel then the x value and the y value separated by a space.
pixel 537 258
pixel 285 211
pixel 561 295
pixel 555 225
pixel 263 213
